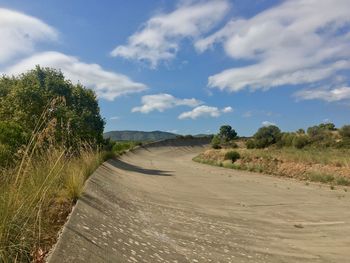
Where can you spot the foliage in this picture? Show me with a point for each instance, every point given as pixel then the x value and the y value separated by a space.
pixel 250 144
pixel 215 142
pixel 232 155
pixel 75 109
pixel 345 131
pixel 50 133
pixel 300 141
pixel 226 133
pixel 37 195
pixel 322 135
pixel 344 143
pixel 122 146
pixel 267 136
pixel 300 131
pixel 287 139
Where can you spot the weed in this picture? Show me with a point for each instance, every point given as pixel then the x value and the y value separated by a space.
pixel 320 177
pixel 342 181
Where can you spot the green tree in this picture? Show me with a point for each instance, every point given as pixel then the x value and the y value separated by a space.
pixel 300 131
pixel 267 136
pixel 73 108
pixel 226 133
pixel 327 126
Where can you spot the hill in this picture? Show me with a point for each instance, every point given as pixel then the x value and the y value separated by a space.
pixel 138 135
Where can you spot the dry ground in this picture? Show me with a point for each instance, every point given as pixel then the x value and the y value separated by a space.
pixel 157 205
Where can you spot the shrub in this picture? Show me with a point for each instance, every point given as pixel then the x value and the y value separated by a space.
pixel 45 94
pixel 300 142
pixel 345 131
pixel 342 181
pixel 215 142
pixel 232 155
pixel 344 143
pixel 250 144
pixel 232 144
pixel 287 139
pixel 300 131
pixel 267 136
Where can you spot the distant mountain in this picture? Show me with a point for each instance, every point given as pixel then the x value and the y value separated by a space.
pixel 138 135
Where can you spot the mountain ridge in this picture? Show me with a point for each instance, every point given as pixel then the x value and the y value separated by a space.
pixel 132 135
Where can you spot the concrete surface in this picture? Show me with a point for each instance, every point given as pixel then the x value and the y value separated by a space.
pixel 157 205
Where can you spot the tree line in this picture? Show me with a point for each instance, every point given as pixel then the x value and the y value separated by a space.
pixel 322 135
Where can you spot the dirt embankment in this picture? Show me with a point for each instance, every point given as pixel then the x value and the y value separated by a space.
pixel 280 165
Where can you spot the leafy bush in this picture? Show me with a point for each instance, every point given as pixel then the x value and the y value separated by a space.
pixel 215 142
pixel 232 155
pixel 321 135
pixel 345 131
pixel 250 144
pixel 287 139
pixel 73 108
pixel 267 136
pixel 301 141
pixel 232 144
pixel 344 143
pixel 300 131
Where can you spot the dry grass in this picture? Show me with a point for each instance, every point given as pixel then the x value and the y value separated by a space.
pixel 330 166
pixel 35 201
pixel 38 193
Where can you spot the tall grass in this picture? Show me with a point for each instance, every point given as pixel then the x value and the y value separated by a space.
pixel 34 207
pixel 38 193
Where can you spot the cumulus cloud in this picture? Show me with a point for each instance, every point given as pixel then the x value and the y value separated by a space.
pixel 267 123
pixel 329 95
pixel 107 84
pixel 159 38
pixel 163 101
pixel 227 109
pixel 204 111
pixel 296 42
pixel 20 33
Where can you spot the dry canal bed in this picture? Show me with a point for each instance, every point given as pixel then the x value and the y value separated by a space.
pixel 157 205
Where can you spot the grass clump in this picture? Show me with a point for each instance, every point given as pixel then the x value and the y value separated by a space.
pixel 320 177
pixel 36 198
pixel 232 156
pixel 342 181
pixel 120 147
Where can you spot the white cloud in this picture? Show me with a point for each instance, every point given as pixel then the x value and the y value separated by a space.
pixel 204 111
pixel 107 84
pixel 114 118
pixel 19 34
pixel 296 42
pixel 267 123
pixel 163 101
pixel 159 38
pixel 329 95
pixel 227 109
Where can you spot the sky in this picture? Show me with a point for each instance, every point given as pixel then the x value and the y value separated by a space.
pixel 190 66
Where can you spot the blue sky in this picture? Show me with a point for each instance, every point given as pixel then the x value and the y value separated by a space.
pixel 190 66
